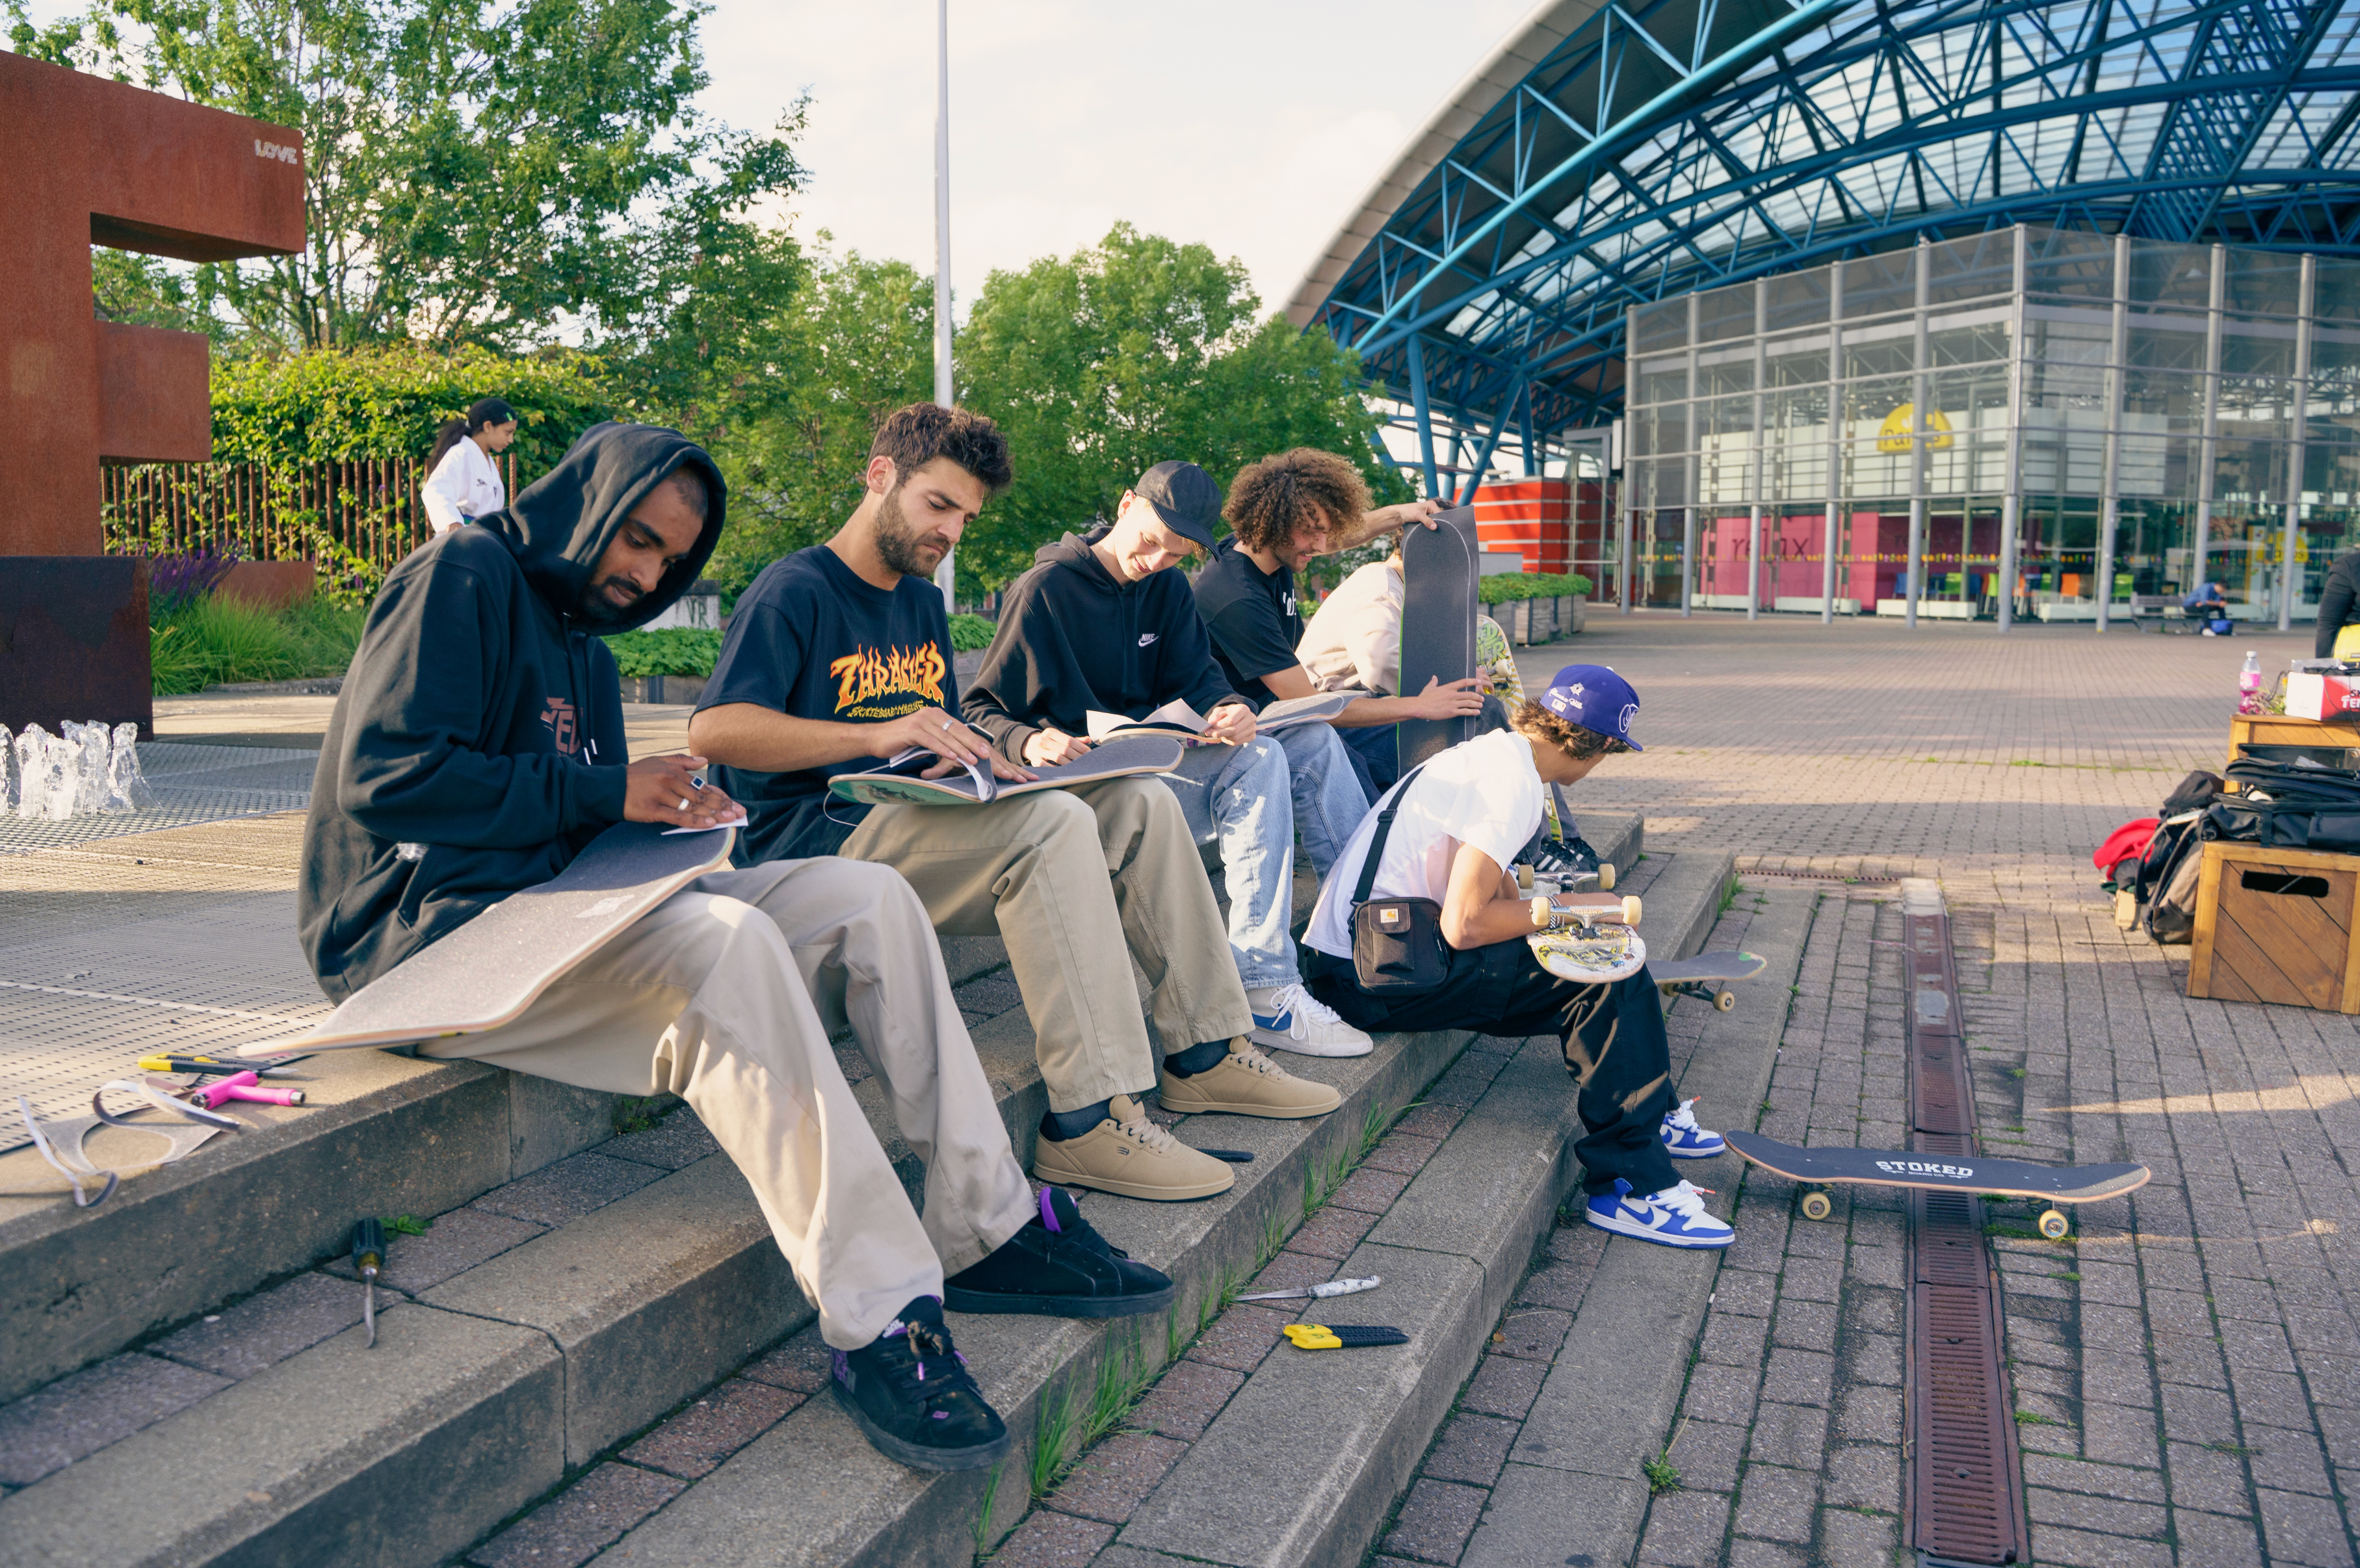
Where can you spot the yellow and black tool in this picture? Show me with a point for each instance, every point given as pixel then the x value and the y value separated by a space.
pixel 1344 1336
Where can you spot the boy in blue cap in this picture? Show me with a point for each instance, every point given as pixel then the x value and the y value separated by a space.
pixel 1460 821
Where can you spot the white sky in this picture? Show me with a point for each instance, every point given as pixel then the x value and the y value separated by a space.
pixel 1252 126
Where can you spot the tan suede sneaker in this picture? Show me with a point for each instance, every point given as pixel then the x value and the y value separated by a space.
pixel 1130 1156
pixel 1245 1083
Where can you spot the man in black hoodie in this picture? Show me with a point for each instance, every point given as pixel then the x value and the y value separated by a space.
pixel 1102 623
pixel 477 746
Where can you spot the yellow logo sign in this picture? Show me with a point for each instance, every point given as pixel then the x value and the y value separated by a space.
pixel 1893 434
pixel 868 673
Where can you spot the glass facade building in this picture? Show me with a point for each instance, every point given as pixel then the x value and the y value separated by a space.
pixel 2030 423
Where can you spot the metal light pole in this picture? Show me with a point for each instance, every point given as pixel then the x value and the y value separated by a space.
pixel 946 575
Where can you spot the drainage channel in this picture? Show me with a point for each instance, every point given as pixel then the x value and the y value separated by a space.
pixel 1966 1476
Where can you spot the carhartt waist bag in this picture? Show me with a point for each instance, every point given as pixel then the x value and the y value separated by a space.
pixel 1397 946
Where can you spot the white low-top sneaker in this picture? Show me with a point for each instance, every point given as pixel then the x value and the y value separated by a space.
pixel 1684 1140
pixel 1673 1217
pixel 1287 1017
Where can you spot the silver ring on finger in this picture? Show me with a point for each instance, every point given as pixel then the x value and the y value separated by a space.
pixel 683 803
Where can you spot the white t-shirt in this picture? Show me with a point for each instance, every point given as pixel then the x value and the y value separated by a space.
pixel 465 485
pixel 1354 640
pixel 1485 791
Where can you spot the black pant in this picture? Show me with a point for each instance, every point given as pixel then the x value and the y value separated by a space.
pixel 1612 1036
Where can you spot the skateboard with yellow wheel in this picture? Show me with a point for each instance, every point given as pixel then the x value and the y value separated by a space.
pixel 1820 1169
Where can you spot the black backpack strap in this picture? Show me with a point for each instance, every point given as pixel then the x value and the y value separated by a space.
pixel 1377 842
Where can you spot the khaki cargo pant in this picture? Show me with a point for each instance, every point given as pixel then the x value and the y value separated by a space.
pixel 1079 882
pixel 724 995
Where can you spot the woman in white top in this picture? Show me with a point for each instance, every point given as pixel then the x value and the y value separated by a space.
pixel 1460 822
pixel 463 481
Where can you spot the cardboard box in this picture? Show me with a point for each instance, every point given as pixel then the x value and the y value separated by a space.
pixel 2311 696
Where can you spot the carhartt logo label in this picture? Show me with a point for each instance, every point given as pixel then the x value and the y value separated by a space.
pixel 564 733
pixel 1917 1168
pixel 275 153
pixel 1146 637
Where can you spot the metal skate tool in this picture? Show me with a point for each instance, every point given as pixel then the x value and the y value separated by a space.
pixel 1317 1292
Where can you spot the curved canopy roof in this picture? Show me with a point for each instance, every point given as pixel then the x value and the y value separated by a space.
pixel 1612 153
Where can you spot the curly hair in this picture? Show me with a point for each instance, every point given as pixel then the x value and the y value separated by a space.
pixel 915 436
pixel 1268 500
pixel 1536 723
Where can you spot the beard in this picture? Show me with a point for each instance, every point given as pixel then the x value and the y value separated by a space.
pixel 596 610
pixel 899 545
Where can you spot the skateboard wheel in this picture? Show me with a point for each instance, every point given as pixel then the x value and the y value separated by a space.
pixel 1722 1001
pixel 1523 878
pixel 2054 1224
pixel 1816 1206
pixel 1630 908
pixel 1606 876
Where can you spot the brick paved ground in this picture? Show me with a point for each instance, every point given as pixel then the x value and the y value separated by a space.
pixel 2187 1372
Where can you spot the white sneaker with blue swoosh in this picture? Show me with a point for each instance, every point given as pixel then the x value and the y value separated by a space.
pixel 1684 1140
pixel 1287 1017
pixel 1673 1217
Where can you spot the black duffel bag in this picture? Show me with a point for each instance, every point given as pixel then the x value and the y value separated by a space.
pixel 2284 824
pixel 2299 784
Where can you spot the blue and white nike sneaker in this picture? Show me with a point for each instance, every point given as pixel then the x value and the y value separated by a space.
pixel 1683 1139
pixel 1673 1217
pixel 1288 1018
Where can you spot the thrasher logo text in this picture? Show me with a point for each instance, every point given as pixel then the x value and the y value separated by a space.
pixel 1915 1168
pixel 916 671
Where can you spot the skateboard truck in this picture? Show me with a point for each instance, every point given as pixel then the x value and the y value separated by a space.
pixel 1549 915
pixel 1527 880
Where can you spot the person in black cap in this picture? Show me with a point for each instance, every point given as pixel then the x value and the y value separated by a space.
pixel 1459 822
pixel 1100 625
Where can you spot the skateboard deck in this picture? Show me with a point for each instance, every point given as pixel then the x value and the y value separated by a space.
pixel 1596 957
pixel 1117 758
pixel 1939 1172
pixel 1439 567
pixel 490 970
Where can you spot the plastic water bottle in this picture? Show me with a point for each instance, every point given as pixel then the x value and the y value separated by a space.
pixel 2249 684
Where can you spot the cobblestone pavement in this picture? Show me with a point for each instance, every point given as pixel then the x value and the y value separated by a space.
pixel 2186 1370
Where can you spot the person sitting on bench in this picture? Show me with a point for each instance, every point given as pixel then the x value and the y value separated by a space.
pixel 2209 606
pixel 1457 824
pixel 1099 624
pixel 1283 511
pixel 477 746
pixel 839 656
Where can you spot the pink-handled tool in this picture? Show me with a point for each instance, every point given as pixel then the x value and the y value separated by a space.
pixel 244 1086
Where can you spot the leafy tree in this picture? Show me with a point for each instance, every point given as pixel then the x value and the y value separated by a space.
pixel 855 344
pixel 471 175
pixel 1102 365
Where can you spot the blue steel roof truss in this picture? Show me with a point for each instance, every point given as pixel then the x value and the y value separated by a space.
pixel 1672 144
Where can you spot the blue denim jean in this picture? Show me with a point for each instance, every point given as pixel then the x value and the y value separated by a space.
pixel 1329 800
pixel 1242 796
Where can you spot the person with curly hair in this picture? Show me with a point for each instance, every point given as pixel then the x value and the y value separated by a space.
pixel 1460 821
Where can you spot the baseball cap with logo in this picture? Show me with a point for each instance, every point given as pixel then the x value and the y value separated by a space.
pixel 1185 497
pixel 1595 698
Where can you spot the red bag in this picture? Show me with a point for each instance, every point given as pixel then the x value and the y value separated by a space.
pixel 2127 841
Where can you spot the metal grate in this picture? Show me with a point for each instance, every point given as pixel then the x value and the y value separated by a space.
pixel 191 784
pixel 1966 1481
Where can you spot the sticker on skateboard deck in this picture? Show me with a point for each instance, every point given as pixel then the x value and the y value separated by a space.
pixel 1439 567
pixel 1597 955
pixel 1117 758
pixel 1819 1169
pixel 490 970
pixel 1697 976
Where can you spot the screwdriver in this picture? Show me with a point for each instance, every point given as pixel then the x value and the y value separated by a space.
pixel 368 1256
pixel 265 1066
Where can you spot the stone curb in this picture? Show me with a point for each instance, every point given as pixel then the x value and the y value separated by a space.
pixel 1572 1483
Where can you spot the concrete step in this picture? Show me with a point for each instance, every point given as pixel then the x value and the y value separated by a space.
pixel 580 1295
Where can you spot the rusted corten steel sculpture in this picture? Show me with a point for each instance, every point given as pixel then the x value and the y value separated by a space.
pixel 95 162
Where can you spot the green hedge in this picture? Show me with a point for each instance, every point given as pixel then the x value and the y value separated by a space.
pixel 675 650
pixel 386 402
pixel 1500 587
pixel 210 640
pixel 970 632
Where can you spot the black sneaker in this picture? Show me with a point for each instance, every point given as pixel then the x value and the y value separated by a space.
pixel 1058 1267
pixel 1568 857
pixel 911 1394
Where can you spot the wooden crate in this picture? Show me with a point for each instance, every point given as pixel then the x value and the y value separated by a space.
pixel 2277 729
pixel 2277 925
